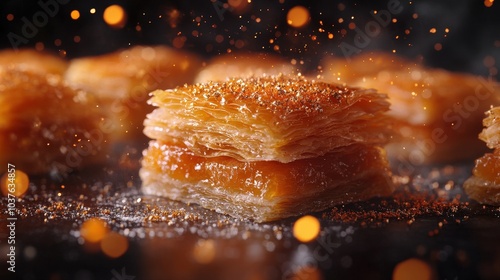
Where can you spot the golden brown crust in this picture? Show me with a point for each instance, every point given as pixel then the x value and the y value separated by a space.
pixel 29 60
pixel 279 118
pixel 483 191
pixel 438 111
pixel 45 125
pixel 122 80
pixel 491 131
pixel 265 190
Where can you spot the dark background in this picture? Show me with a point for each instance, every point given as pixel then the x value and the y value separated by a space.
pixel 471 45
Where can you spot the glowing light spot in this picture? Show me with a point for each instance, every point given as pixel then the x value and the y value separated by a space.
pixel 330 36
pixel 93 230
pixel 298 16
pixel 415 16
pixel 204 251
pixel 39 46
pixel 115 16
pixel 179 41
pixel 447 30
pixel 219 38
pixel 92 11
pixel 412 269
pixel 488 3
pixel 14 183
pixel 306 228
pixel 77 39
pixel 10 17
pixel 57 42
pixel 489 61
pixel 114 245
pixel 352 25
pixel 433 30
pixel 438 46
pixel 75 14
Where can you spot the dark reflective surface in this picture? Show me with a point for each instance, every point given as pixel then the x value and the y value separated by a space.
pixel 171 240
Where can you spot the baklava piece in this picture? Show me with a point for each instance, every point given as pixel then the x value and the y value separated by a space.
pixel 122 80
pixel 29 60
pixel 244 65
pixel 484 185
pixel 47 126
pixel 436 112
pixel 266 148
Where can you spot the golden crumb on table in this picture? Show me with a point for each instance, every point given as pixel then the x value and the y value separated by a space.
pixel 267 148
pixel 436 112
pixel 33 61
pixel 47 126
pixel 121 80
pixel 484 184
pixel 244 65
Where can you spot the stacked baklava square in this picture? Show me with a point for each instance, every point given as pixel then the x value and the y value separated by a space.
pixel 267 148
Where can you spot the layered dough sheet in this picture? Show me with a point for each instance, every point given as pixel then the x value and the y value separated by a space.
pixel 484 184
pixel 265 190
pixel 47 126
pixel 269 118
pixel 266 148
pixel 436 112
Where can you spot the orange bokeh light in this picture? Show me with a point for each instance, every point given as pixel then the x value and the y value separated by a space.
pixel 15 183
pixel 298 16
pixel 94 230
pixel 75 14
pixel 412 269
pixel 115 16
pixel 114 245
pixel 306 228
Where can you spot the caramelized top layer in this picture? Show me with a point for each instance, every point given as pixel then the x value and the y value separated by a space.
pixel 133 72
pixel 281 118
pixel 491 132
pixel 278 95
pixel 32 61
pixel 419 95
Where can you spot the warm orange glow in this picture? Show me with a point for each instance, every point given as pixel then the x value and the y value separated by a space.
pixel 10 17
pixel 94 230
pixel 438 46
pixel 298 16
pixel 432 30
pixel 306 228
pixel 412 269
pixel 488 3
pixel 204 251
pixel 115 16
pixel 39 46
pixel 75 14
pixel 308 273
pixel 114 245
pixel 14 183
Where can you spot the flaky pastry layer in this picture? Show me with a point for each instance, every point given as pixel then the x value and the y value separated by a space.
pixel 265 190
pixel 278 118
pixel 46 125
pixel 491 131
pixel 438 111
pixel 122 80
